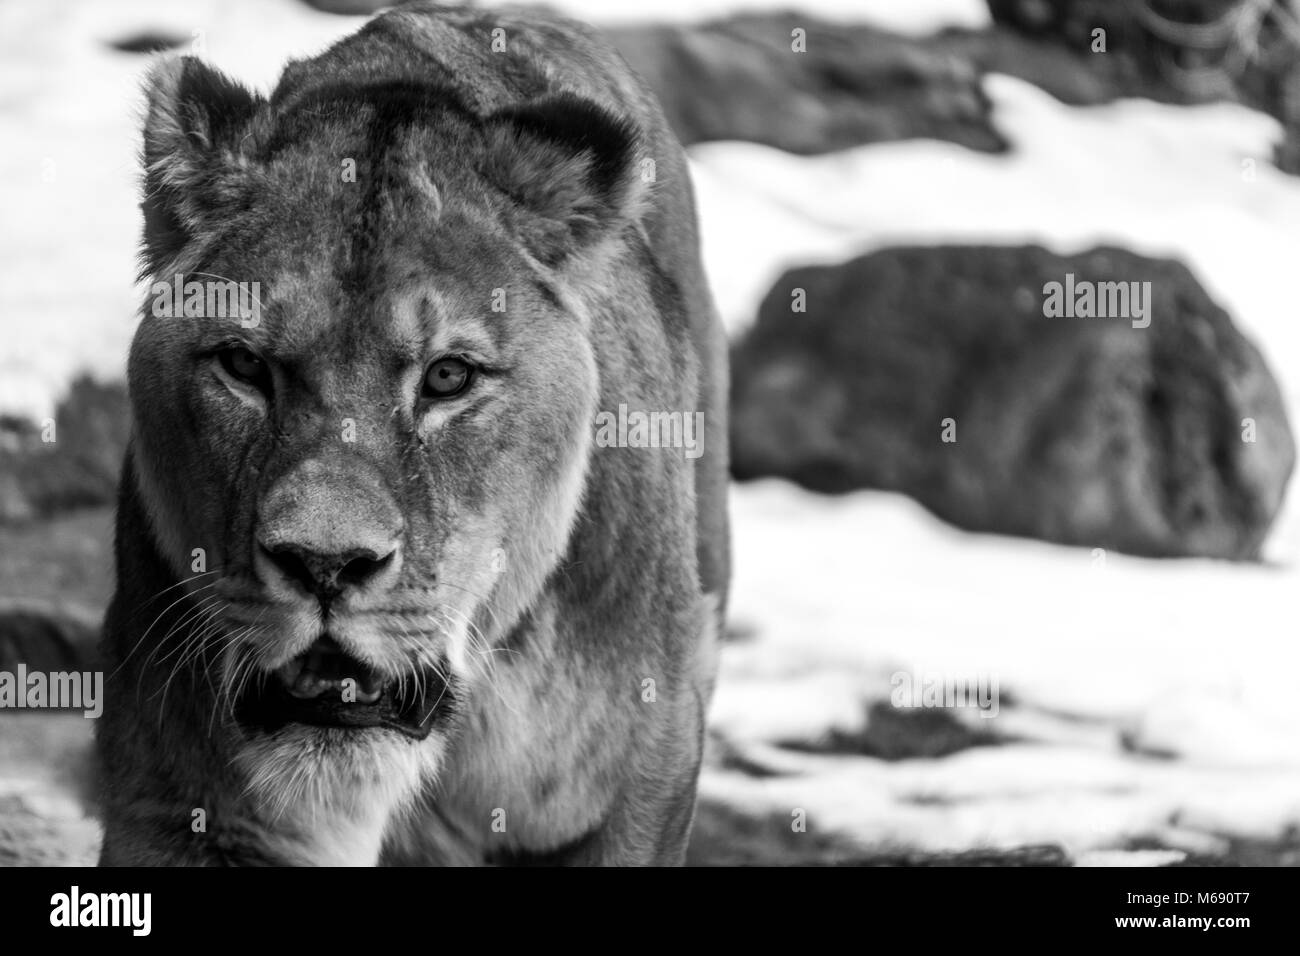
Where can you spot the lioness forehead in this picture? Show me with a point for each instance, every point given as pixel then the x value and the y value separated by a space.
pixel 357 174
pixel 416 316
pixel 368 224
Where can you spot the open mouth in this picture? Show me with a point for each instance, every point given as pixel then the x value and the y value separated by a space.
pixel 326 687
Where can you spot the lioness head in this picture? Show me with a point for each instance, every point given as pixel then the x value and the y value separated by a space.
pixel 373 466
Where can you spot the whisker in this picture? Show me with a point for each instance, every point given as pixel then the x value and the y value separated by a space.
pixel 154 623
pixel 192 614
pixel 145 603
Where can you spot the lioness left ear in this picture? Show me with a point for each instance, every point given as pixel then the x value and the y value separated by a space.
pixel 571 164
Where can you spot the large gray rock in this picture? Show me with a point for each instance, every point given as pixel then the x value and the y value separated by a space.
pixel 740 78
pixel 1085 431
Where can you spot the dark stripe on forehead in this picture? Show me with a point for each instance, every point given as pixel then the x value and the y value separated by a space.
pixel 403 101
pixel 549 295
pixel 382 114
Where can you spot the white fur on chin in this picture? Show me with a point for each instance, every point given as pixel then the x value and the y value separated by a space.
pixel 326 796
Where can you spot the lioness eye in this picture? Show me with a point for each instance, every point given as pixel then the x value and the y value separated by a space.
pixel 446 377
pixel 242 364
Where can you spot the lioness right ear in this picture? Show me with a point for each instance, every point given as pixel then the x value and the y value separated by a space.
pixel 195 120
pixel 570 165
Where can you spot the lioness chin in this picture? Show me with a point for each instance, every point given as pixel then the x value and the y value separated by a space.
pixel 381 595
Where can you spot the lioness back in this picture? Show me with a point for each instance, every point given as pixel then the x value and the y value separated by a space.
pixel 421 548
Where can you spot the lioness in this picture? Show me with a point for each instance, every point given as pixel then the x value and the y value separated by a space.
pixel 381 595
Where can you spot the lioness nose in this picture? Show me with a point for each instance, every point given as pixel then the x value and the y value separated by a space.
pixel 327 575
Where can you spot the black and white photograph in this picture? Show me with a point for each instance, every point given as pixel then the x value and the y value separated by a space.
pixel 653 433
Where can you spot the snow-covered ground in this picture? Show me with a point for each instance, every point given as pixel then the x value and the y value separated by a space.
pixel 1098 663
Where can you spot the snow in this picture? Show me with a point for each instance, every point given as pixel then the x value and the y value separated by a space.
pixel 1141 698
pixel 1159 657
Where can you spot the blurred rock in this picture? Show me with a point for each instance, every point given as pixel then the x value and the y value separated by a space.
pixel 351 7
pixel 14 506
pixel 148 42
pixel 1084 431
pixel 739 78
pixel 907 733
pixel 65 561
pixel 1073 76
pixel 1178 51
pixel 78 468
pixel 47 637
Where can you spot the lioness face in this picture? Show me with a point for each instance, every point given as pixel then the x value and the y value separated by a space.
pixel 369 478
pixel 373 471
